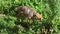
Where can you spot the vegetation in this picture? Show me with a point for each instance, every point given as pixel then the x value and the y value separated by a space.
pixel 50 9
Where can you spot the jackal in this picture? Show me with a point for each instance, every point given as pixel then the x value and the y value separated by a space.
pixel 28 12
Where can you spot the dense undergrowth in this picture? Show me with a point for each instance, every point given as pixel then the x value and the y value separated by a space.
pixel 50 9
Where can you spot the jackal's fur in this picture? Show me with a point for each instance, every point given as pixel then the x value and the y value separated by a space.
pixel 28 12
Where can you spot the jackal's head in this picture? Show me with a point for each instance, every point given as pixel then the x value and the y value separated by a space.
pixel 39 16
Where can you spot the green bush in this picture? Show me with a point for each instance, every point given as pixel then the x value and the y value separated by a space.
pixel 50 10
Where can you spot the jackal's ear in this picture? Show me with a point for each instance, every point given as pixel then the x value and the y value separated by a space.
pixel 40 13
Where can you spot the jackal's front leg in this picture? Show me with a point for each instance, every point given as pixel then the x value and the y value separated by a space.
pixel 29 20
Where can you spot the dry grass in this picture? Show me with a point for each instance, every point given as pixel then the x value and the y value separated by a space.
pixel 2 15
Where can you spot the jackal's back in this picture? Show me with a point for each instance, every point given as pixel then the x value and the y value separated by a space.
pixel 26 10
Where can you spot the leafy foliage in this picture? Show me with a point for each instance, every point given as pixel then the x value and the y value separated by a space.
pixel 50 10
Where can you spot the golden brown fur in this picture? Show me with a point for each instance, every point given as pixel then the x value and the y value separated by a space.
pixel 29 12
